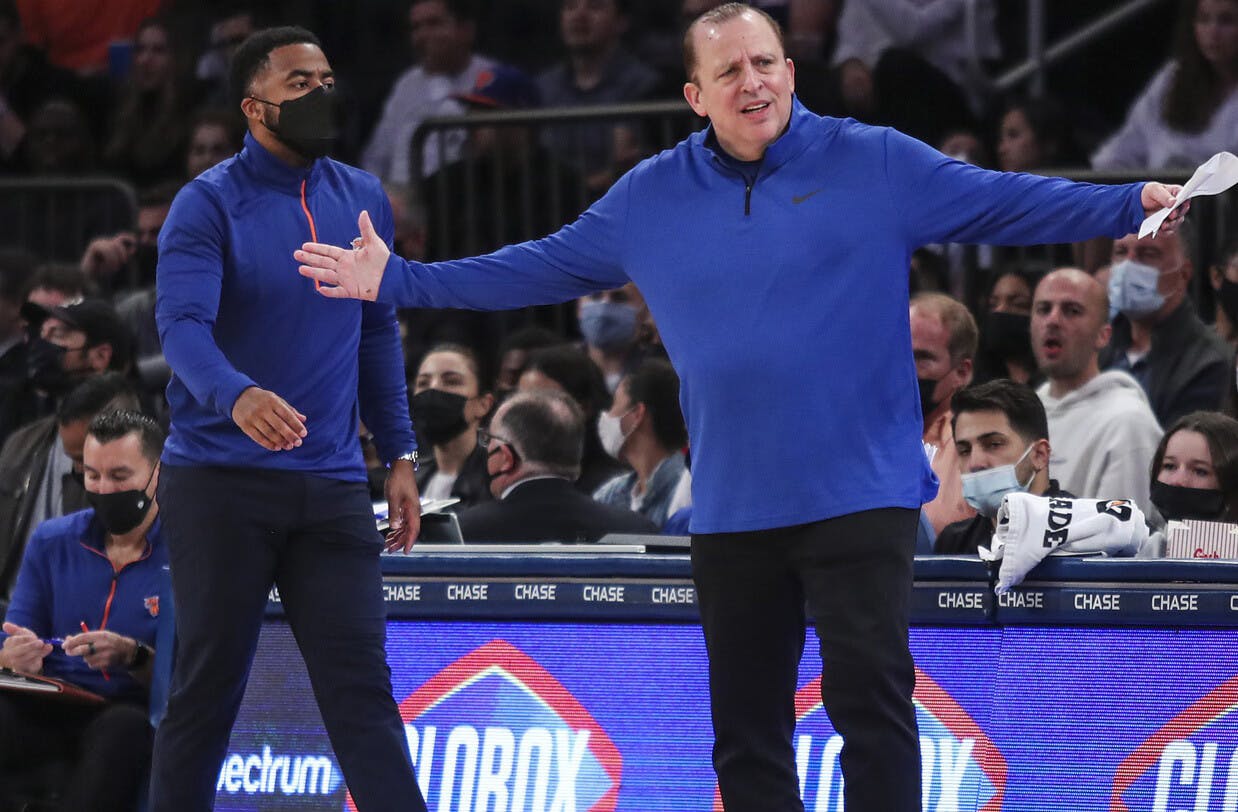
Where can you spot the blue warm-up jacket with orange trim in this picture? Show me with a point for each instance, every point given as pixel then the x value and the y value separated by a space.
pixel 233 312
pixel 66 579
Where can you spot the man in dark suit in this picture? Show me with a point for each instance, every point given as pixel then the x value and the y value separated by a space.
pixel 533 451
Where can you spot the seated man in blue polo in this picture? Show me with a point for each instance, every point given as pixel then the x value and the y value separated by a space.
pixel 85 611
pixel 1001 436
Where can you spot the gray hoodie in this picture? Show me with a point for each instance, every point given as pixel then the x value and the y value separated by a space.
pixel 1103 436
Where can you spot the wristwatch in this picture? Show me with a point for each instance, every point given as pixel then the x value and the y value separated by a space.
pixel 409 457
pixel 141 656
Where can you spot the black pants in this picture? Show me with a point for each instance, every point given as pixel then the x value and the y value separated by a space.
pixel 854 575
pixel 231 533
pixel 107 746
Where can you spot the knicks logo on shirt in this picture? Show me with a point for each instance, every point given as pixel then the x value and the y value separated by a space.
pixel 152 605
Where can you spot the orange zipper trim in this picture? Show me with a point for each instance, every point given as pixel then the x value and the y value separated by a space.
pixel 310 218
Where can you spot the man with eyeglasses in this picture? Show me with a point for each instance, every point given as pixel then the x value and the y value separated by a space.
pixel 533 450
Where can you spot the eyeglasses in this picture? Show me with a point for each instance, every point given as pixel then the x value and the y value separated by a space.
pixel 484 438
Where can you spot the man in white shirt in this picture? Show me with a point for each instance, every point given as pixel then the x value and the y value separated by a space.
pixel 442 33
pixel 1104 432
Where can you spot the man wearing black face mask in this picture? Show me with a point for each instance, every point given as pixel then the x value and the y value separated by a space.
pixel 269 386
pixel 74 341
pixel 93 580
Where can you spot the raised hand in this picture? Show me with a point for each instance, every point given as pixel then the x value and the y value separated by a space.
pixel 347 273
pixel 1157 196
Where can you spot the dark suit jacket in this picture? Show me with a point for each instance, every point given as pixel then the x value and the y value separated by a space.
pixel 548 510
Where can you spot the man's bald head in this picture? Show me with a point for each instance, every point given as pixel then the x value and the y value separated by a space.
pixel 1070 326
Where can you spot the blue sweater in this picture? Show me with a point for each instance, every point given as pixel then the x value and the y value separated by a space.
pixel 783 305
pixel 66 579
pixel 233 312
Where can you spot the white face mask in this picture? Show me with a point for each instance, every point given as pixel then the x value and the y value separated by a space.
pixel 984 490
pixel 1133 290
pixel 611 433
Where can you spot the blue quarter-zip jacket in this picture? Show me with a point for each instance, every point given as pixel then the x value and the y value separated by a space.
pixel 66 579
pixel 783 303
pixel 233 312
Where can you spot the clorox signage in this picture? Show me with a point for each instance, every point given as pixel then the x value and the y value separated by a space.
pixel 961 768
pixel 1189 764
pixel 495 731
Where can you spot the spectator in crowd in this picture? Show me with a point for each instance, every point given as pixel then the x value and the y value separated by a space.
pixel 26 80
pixel 567 369
pixel 1195 469
pixel 965 144
pixel 16 405
pixel 1103 429
pixel 215 135
pixel 533 449
pixel 1157 335
pixel 78 36
pixel 1005 331
pixel 449 405
pixel 1001 436
pixel 609 322
pixel 76 341
pixel 149 131
pixel 442 32
pixel 514 356
pixel 1223 276
pixel 230 26
pixel 644 429
pixel 59 140
pixel 93 578
pixel 41 466
pixel 409 215
pixel 504 187
pixel 1035 134
pixel 54 285
pixel 126 261
pixel 943 340
pixel 1189 110
pixel 597 70
pixel 908 64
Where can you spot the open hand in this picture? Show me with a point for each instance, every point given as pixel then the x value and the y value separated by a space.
pixel 268 420
pixel 347 273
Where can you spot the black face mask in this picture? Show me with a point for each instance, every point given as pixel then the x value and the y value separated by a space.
pixel 927 404
pixel 121 511
pixel 307 123
pixel 1176 502
pixel 439 415
pixel 45 367
pixel 1007 335
pixel 1228 297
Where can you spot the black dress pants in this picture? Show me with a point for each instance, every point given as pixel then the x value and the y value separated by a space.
pixel 853 574
pixel 107 746
pixel 231 533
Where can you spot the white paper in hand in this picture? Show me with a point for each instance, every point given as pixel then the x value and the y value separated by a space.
pixel 1214 176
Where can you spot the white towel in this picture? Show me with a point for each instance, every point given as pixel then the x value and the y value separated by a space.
pixel 1032 527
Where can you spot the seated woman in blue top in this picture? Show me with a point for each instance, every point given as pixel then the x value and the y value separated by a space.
pixel 85 611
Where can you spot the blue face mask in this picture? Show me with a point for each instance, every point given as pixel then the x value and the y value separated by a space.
pixel 608 325
pixel 984 490
pixel 1133 290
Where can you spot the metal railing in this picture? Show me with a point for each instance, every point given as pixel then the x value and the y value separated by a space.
pixel 55 218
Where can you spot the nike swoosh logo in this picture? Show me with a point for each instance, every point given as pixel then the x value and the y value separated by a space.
pixel 798 199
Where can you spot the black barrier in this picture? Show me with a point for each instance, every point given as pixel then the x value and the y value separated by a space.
pixel 56 218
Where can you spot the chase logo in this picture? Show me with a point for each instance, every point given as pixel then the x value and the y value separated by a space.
pixel 960 767
pixel 495 732
pixel 1189 764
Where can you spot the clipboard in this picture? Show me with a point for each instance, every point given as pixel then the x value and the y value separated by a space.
pixel 55 689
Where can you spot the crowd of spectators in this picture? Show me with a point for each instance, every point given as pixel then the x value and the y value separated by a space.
pixel 1115 379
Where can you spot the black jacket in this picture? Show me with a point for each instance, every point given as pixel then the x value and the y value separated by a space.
pixel 548 510
pixel 1188 364
pixel 472 485
pixel 963 538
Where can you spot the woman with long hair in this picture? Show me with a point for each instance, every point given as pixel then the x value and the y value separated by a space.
pixel 1189 111
pixel 1195 469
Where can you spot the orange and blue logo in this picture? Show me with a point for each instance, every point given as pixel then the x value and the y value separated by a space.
pixel 496 730
pixel 1190 763
pixel 961 767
